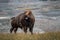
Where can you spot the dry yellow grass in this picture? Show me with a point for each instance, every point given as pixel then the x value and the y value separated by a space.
pixel 22 36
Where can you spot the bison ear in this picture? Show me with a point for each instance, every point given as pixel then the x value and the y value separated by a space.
pixel 25 12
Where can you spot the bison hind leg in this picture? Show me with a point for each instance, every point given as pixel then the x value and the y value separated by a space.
pixel 11 29
pixel 15 30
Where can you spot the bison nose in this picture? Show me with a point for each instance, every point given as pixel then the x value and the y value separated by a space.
pixel 20 24
pixel 26 18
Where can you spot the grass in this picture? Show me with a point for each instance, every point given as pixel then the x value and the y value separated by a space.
pixel 22 36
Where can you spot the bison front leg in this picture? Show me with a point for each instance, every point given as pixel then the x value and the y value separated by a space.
pixel 25 29
pixel 11 29
pixel 31 30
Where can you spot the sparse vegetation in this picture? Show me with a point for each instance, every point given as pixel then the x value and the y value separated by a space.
pixel 22 36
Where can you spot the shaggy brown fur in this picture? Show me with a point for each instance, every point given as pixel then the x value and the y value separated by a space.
pixel 24 21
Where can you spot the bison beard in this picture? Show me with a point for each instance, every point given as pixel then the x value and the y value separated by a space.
pixel 23 21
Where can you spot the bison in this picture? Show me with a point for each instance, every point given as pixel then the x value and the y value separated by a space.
pixel 24 21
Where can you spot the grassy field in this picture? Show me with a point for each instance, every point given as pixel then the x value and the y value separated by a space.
pixel 22 36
